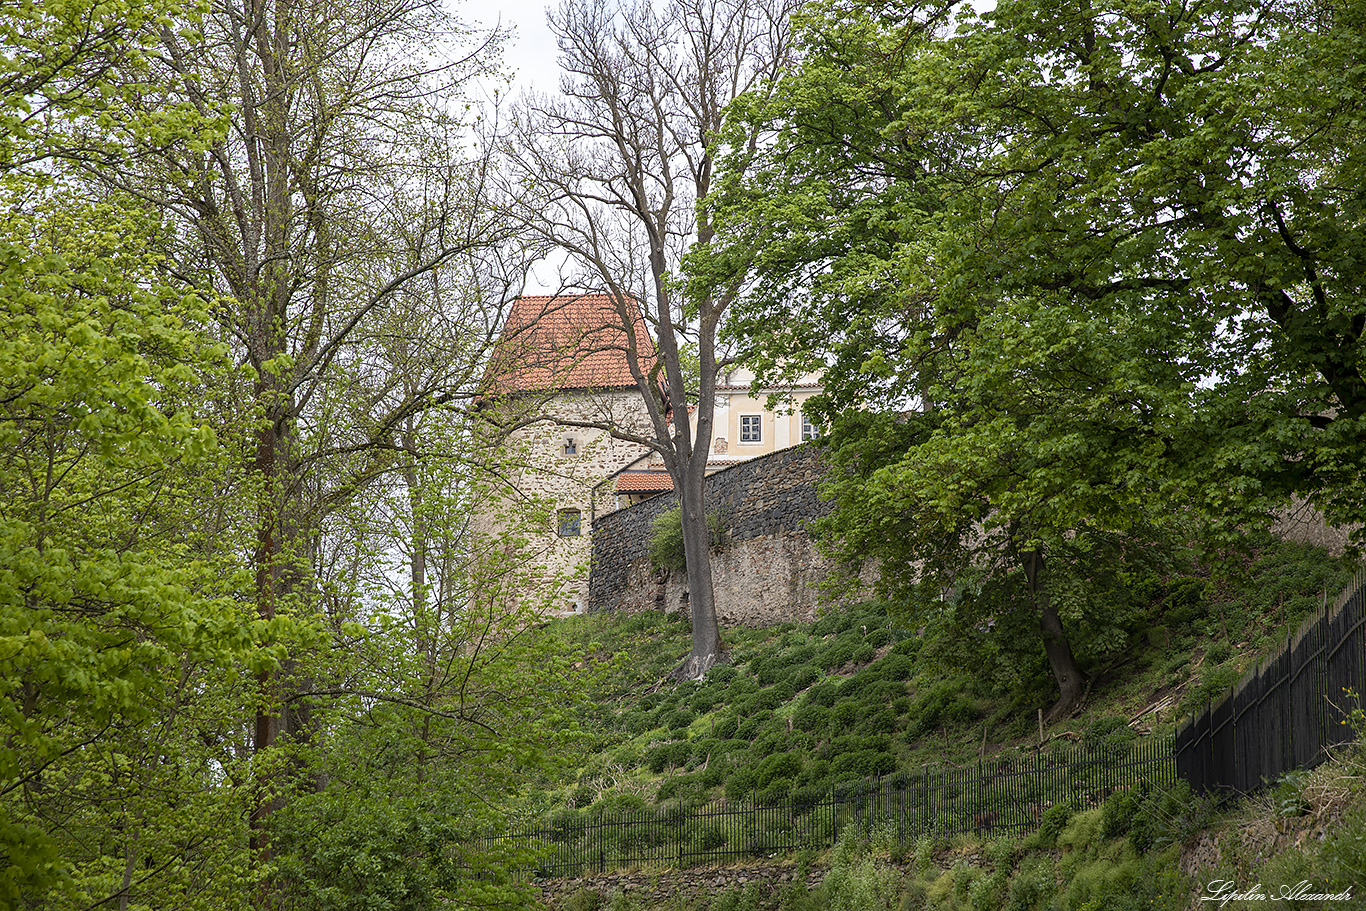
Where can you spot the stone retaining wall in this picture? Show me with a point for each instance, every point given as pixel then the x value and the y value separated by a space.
pixel 767 570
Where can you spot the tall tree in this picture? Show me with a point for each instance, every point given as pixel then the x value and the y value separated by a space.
pixel 337 187
pixel 119 642
pixel 615 168
pixel 1121 290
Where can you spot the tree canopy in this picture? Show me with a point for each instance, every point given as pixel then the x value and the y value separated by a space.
pixel 1110 250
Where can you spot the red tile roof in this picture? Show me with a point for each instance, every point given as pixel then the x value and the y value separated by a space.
pixel 567 342
pixel 644 482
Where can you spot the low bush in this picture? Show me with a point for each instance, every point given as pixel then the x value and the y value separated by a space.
pixel 941 705
pixel 837 654
pixel 804 676
pixel 877 638
pixel 814 719
pixel 678 719
pixel 826 693
pixel 862 764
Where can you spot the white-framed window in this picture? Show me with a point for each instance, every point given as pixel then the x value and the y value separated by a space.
pixel 751 428
pixel 810 430
pixel 571 446
pixel 569 523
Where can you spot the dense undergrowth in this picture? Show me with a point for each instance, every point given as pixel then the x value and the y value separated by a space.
pixel 805 708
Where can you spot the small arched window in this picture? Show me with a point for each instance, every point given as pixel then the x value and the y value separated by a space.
pixel 569 523
pixel 571 446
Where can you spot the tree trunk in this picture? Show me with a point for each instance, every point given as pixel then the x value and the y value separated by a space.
pixel 707 649
pixel 1069 676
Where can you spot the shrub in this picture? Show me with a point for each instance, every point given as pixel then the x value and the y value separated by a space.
pixel 877 638
pixel 678 719
pixel 826 693
pixel 775 792
pixel 680 751
pixel 706 699
pixel 880 722
pixel 895 667
pixel 780 765
pixel 741 686
pixel 1215 685
pixel 1118 812
pixel 741 783
pixel 767 745
pixel 837 654
pixel 721 675
pixel 666 538
pixel 616 804
pixel 1169 817
pixel 804 676
pixel 1109 737
pixel 863 764
pixel 1053 822
pixel 814 719
pixel 657 759
pixel 815 772
pixel 910 647
pixel 943 704
pixel 636 722
pixel 882 692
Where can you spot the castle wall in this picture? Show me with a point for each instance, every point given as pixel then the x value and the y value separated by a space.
pixel 767 569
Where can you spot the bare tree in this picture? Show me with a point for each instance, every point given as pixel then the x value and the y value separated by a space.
pixel 613 172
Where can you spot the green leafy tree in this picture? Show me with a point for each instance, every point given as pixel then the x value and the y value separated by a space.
pixel 339 187
pixel 119 652
pixel 438 719
pixel 118 641
pixel 1122 292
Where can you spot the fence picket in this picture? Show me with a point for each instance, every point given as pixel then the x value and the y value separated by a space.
pixel 1283 715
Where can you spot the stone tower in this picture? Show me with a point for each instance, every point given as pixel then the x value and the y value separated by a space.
pixel 558 382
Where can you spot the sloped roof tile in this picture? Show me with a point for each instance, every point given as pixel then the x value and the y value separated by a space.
pixel 644 482
pixel 558 342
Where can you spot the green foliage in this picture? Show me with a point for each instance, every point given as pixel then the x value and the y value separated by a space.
pixel 860 877
pixel 666 538
pixel 944 213
pixel 1052 823
pixel 943 704
pixel 123 649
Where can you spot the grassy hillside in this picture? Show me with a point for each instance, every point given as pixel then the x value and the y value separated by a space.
pixel 810 707
pixel 861 692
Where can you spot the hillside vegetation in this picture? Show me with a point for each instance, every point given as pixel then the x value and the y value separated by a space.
pixel 859 693
pixel 807 709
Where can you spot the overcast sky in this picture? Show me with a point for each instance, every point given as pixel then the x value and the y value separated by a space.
pixel 531 53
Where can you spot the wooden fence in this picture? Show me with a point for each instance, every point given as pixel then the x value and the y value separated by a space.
pixel 1287 712
pixel 1005 794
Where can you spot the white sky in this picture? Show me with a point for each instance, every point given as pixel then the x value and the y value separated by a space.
pixel 531 54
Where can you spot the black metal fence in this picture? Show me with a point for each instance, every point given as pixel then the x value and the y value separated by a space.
pixel 1286 713
pixel 1006 794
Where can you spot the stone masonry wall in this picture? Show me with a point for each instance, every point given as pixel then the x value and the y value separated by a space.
pixel 767 570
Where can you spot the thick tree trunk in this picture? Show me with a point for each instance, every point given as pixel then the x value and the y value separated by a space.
pixel 1069 676
pixel 707 649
